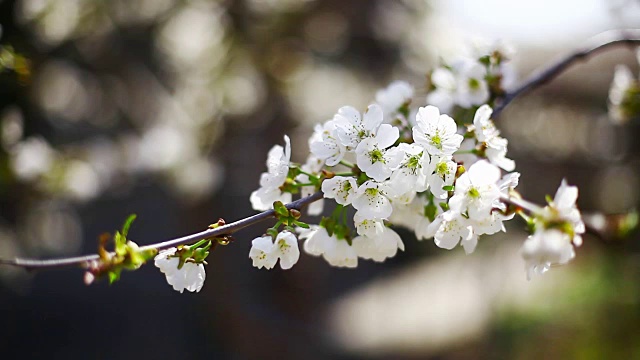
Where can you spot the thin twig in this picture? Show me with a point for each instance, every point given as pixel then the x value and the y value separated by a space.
pixel 521 203
pixel 594 45
pixel 228 229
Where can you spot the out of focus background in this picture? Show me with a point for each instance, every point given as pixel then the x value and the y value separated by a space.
pixel 167 109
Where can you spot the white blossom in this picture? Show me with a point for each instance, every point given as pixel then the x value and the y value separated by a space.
pixel 450 229
pixel 375 158
pixel 367 227
pixel 436 132
pixel 476 191
pixel 472 88
pixel 263 198
pixel 487 133
pixel 315 237
pixel 408 214
pixel 278 160
pixel 564 208
pixel 190 277
pixel 410 174
pixel 441 172
pixel 443 97
pixel 335 251
pixel 379 248
pixel 394 96
pixel 277 169
pixel 286 249
pixel 352 128
pixel 341 254
pixel 262 252
pixel 325 145
pixel 341 188
pixel 544 249
pixel 372 200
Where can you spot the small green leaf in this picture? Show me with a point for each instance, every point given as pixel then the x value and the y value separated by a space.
pixel 127 224
pixel 430 211
pixel 301 224
pixel 448 188
pixel 486 60
pixel 114 275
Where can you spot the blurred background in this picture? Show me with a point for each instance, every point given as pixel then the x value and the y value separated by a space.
pixel 167 108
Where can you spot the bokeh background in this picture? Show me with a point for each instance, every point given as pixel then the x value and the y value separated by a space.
pixel 167 108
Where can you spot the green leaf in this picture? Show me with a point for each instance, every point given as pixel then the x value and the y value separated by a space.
pixel 328 224
pixel 127 225
pixel 430 211
pixel 114 275
pixel 486 60
pixel 448 188
pixel 301 224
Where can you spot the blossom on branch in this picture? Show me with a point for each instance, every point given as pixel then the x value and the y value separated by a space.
pixel 189 277
pixel 270 182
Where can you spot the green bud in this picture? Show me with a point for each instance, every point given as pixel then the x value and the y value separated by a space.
pixel 448 188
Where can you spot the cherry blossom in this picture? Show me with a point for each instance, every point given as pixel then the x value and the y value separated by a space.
pixel 189 277
pixel 379 248
pixel 341 188
pixel 436 132
pixel 262 252
pixel 544 249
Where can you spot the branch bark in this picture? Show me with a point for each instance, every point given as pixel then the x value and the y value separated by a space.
pixel 596 44
pixel 228 229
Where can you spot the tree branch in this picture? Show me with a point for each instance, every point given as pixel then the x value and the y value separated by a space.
pixel 228 229
pixel 596 44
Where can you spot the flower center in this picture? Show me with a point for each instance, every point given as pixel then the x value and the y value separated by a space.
pixel 474 193
pixel 371 192
pixel 284 247
pixel 442 168
pixel 376 156
pixel 346 186
pixel 474 84
pixel 436 140
pixel 414 162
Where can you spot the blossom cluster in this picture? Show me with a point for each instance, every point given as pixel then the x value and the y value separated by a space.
pixel 473 80
pixel 416 168
pixel 395 164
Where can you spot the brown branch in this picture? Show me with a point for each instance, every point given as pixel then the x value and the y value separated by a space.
pixel 228 229
pixel 594 45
